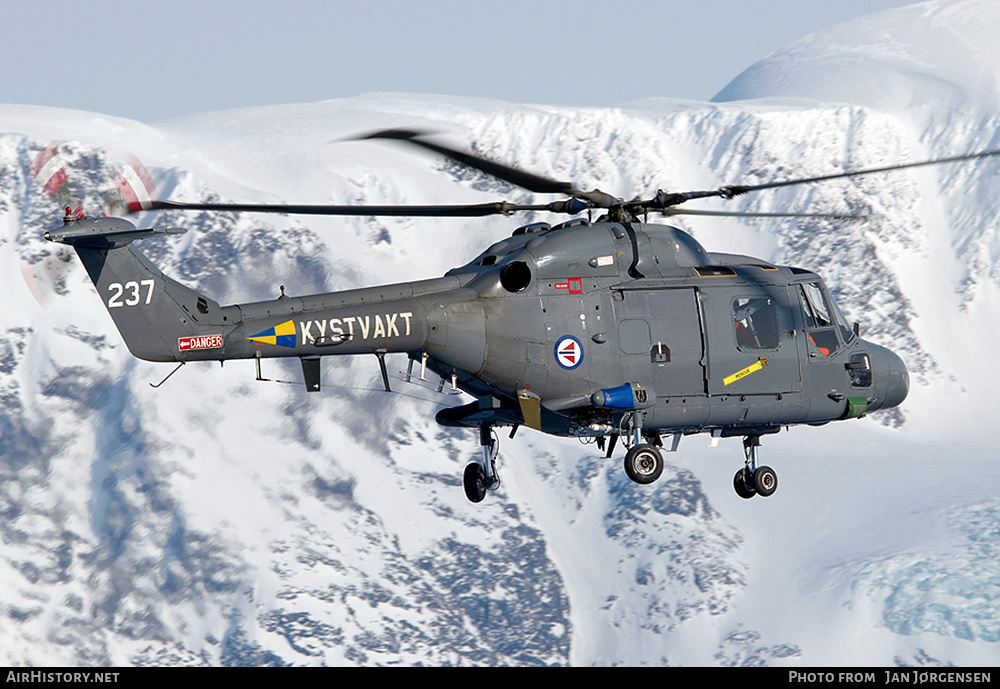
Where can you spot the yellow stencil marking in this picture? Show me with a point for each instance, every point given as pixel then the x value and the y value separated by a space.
pixel 752 368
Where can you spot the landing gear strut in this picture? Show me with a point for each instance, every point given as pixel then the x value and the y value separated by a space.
pixel 482 476
pixel 752 479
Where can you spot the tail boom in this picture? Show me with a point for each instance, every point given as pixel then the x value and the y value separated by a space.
pixel 161 319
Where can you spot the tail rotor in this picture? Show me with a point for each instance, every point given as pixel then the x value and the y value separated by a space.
pixel 131 190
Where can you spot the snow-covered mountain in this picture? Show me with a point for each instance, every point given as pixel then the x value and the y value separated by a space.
pixel 219 520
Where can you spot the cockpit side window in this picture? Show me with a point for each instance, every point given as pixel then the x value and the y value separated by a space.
pixel 756 323
pixel 820 319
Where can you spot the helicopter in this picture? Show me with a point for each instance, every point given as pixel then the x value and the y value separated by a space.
pixel 607 330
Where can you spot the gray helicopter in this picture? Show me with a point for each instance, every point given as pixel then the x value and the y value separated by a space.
pixel 606 330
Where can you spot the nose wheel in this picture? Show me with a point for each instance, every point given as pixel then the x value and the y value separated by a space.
pixel 754 480
pixel 475 482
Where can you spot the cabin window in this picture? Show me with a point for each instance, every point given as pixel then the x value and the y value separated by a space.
pixel 756 322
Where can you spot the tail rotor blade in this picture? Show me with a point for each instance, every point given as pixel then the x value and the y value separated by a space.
pixel 134 189
pixel 48 170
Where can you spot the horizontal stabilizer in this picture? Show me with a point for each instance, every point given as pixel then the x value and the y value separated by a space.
pixel 103 232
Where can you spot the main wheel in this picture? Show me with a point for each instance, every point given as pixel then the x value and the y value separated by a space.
pixel 765 480
pixel 475 482
pixel 643 464
pixel 745 489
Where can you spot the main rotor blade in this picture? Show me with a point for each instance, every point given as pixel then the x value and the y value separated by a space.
pixel 750 214
pixel 512 175
pixel 871 171
pixel 571 206
pixel 666 200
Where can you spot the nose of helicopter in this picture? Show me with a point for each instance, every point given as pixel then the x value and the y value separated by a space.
pixel 897 381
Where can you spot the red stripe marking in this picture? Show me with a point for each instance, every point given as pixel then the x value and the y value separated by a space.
pixel 143 173
pixel 44 156
pixel 129 193
pixel 55 181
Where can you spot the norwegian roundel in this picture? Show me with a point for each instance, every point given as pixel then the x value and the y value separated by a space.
pixel 569 352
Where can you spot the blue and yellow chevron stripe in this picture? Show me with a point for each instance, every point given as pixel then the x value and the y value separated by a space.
pixel 282 335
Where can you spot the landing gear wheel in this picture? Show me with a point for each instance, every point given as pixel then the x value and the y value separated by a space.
pixel 475 482
pixel 765 480
pixel 643 464
pixel 745 489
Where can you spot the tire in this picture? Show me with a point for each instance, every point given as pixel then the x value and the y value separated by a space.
pixel 765 481
pixel 474 481
pixel 643 464
pixel 745 489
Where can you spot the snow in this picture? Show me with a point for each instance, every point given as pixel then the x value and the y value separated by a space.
pixel 217 520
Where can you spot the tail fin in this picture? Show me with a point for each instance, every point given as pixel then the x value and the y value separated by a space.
pixel 159 318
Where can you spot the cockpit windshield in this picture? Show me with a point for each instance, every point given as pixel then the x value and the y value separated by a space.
pixel 846 331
